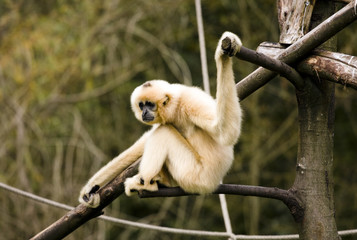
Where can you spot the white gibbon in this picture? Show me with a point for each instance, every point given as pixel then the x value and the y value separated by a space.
pixel 191 140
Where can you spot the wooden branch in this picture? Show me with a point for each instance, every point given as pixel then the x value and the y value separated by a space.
pixel 286 196
pixel 299 49
pixel 272 64
pixel 343 1
pixel 335 67
pixel 81 214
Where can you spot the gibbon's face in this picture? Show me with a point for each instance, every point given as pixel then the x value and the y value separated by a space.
pixel 149 100
pixel 148 110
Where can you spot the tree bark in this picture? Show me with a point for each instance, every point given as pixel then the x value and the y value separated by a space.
pixel 314 178
pixel 294 19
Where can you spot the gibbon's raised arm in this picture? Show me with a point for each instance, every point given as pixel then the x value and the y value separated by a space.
pixel 223 122
pixel 87 195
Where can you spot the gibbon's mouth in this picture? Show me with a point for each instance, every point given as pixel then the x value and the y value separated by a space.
pixel 148 118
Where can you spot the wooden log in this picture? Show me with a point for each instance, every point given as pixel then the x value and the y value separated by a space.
pixel 294 19
pixel 335 67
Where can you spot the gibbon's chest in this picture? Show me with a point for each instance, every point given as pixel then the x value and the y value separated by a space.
pixel 186 131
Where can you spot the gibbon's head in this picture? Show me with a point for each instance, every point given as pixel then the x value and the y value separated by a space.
pixel 151 101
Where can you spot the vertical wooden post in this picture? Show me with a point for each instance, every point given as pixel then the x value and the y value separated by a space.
pixel 294 19
pixel 314 178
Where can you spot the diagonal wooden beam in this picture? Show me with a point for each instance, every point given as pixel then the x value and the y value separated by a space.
pixel 300 49
pixel 82 214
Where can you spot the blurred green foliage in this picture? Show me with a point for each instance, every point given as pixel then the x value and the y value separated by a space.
pixel 67 69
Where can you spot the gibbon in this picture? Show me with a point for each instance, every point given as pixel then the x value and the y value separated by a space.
pixel 191 140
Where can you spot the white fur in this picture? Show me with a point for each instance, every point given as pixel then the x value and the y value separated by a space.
pixel 191 141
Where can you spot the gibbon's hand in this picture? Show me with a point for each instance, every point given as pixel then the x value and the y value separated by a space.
pixel 89 196
pixel 230 45
pixel 137 184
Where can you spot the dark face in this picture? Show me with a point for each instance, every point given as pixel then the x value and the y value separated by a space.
pixel 148 108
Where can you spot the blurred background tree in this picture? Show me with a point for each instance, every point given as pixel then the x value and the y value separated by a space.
pixel 67 69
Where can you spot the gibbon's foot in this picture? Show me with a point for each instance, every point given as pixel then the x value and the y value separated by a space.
pixel 89 196
pixel 137 184
pixel 230 44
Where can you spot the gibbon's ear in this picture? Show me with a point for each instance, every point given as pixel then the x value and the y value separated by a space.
pixel 166 101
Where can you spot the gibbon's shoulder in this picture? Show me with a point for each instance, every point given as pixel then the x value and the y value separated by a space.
pixel 194 99
pixel 190 90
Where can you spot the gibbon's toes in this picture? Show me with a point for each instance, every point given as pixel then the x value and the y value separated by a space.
pixel 137 184
pixel 90 198
pixel 142 182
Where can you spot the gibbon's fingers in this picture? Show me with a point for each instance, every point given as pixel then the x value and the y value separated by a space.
pixel 229 45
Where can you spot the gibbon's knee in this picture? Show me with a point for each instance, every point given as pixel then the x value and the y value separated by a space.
pixel 174 142
pixel 160 135
pixel 167 147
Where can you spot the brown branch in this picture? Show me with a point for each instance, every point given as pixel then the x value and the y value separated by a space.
pixel 299 49
pixel 286 196
pixel 81 214
pixel 272 64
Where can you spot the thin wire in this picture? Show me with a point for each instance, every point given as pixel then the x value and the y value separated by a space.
pixel 201 39
pixel 159 228
pixel 225 213
pixel 35 197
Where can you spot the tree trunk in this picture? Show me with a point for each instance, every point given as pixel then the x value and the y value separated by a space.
pixel 314 178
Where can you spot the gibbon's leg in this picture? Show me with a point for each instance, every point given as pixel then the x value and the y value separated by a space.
pixel 88 195
pixel 164 144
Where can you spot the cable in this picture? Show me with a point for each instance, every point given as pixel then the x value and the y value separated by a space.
pixel 201 39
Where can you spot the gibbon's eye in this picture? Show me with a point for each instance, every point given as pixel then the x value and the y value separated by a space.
pixel 166 100
pixel 141 105
pixel 150 105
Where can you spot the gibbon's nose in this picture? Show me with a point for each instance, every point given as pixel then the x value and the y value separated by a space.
pixel 147 116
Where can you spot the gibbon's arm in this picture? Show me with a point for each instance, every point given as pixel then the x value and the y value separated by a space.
pixel 88 195
pixel 225 123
